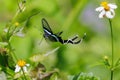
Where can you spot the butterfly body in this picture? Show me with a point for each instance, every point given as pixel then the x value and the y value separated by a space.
pixel 48 34
pixel 52 37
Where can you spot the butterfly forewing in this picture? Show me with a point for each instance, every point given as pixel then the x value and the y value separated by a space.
pixel 46 26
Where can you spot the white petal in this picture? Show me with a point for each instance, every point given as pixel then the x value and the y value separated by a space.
pixel 25 69
pixel 99 9
pixel 20 34
pixel 112 12
pixel 113 6
pixel 6 30
pixel 102 14
pixel 27 64
pixel 17 69
pixel 109 15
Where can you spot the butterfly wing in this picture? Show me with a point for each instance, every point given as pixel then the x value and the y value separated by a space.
pixel 46 27
pixel 48 34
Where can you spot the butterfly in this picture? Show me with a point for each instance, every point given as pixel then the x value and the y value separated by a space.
pixel 48 34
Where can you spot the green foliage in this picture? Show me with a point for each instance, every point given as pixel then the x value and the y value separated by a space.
pixel 85 76
pixel 55 61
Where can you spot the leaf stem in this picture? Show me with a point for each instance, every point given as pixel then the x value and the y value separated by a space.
pixel 74 13
pixel 12 52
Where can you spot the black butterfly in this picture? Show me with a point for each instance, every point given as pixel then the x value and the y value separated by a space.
pixel 48 34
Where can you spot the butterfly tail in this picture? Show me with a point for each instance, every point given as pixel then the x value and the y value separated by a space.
pixel 72 41
pixel 77 42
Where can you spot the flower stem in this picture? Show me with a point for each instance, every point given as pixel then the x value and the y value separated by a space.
pixel 112 44
pixel 24 74
pixel 111 74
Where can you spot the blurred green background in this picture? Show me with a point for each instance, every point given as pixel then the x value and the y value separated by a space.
pixel 72 17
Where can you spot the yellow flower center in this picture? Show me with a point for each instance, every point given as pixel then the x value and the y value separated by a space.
pixel 105 5
pixel 16 24
pixel 21 63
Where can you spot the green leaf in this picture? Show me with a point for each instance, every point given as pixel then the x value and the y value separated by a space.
pixel 118 62
pixel 76 77
pixel 27 14
pixel 85 76
pixel 3 59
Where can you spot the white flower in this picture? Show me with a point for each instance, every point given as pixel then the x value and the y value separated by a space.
pixel 106 10
pixel 16 32
pixel 20 33
pixel 21 65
